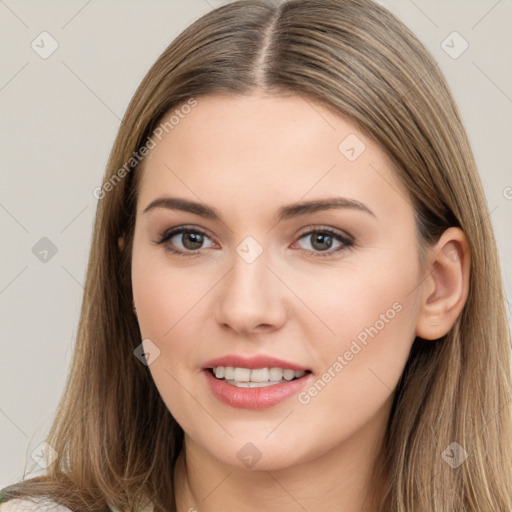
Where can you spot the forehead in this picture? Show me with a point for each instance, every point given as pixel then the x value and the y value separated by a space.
pixel 254 151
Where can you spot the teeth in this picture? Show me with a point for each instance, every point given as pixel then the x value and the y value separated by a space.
pixel 256 377
pixel 242 375
pixel 275 374
pixel 259 375
pixel 251 384
pixel 288 374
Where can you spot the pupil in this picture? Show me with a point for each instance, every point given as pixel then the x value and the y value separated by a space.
pixel 195 240
pixel 324 240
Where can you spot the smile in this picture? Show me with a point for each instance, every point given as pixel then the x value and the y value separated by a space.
pixel 255 377
pixel 241 393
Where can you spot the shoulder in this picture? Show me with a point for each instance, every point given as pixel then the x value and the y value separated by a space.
pixel 22 505
pixel 25 505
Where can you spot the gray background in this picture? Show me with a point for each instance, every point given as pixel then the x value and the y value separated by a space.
pixel 59 117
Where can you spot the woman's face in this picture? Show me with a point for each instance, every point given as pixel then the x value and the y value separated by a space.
pixel 265 271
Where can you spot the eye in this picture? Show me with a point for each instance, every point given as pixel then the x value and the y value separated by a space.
pixel 183 240
pixel 189 241
pixel 321 241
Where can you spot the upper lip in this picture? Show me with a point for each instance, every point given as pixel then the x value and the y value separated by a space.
pixel 260 361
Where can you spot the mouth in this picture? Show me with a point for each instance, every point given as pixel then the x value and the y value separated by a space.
pixel 241 377
pixel 255 382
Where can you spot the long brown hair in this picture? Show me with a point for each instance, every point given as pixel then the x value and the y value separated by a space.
pixel 116 440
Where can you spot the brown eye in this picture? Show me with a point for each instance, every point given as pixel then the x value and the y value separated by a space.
pixel 192 240
pixel 183 240
pixel 323 240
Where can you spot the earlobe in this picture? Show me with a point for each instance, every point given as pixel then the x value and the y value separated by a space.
pixel 446 287
pixel 120 242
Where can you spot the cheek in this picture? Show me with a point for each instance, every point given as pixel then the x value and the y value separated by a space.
pixel 165 309
pixel 164 294
pixel 364 299
pixel 373 315
pixel 171 304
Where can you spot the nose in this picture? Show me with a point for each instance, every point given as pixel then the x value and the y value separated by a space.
pixel 251 298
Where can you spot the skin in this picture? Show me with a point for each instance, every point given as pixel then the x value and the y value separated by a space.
pixel 246 157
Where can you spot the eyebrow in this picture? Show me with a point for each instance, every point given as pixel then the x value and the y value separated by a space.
pixel 284 213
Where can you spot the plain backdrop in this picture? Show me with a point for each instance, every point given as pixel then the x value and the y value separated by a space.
pixel 59 117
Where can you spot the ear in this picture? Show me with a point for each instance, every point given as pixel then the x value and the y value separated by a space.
pixel 446 287
pixel 120 242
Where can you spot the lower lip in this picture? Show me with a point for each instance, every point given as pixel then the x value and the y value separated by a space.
pixel 254 398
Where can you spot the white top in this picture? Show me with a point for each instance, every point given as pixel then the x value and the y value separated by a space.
pixel 25 505
pixel 22 505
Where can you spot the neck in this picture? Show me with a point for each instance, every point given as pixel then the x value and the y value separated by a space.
pixel 340 478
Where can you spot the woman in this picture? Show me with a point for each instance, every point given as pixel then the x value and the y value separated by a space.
pixel 293 299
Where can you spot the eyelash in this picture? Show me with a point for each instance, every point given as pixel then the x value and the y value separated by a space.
pixel 348 243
